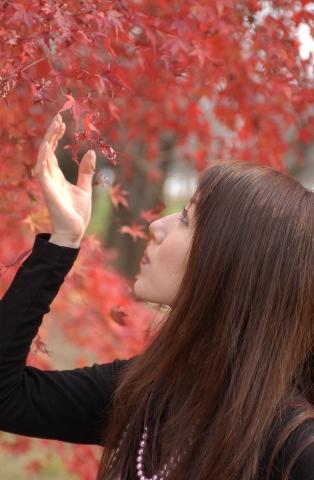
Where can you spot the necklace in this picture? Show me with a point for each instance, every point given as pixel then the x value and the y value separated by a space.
pixel 162 474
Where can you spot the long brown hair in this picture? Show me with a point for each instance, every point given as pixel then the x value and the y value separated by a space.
pixel 235 352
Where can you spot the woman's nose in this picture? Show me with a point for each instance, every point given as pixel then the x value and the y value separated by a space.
pixel 158 231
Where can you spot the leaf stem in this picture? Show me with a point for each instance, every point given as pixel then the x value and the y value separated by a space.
pixel 23 69
pixel 55 75
pixel 34 63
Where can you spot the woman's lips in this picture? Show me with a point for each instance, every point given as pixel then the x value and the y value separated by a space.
pixel 145 258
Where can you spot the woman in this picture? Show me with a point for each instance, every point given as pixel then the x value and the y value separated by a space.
pixel 225 389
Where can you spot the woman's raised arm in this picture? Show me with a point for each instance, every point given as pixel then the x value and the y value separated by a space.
pixel 69 205
pixel 62 405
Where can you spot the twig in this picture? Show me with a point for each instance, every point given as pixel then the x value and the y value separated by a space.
pixel 55 75
pixel 23 69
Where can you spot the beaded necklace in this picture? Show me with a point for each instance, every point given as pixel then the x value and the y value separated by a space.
pixel 163 473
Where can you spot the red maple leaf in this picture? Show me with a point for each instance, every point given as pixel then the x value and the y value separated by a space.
pixel 89 124
pixel 75 148
pixel 114 110
pixel 18 260
pixel 110 50
pixel 118 316
pixel 114 77
pixel 15 261
pixel 113 17
pixel 118 195
pixel 39 346
pixel 23 14
pixel 41 90
pixel 153 214
pixel 47 37
pixel 77 105
pixel 106 149
pixel 6 85
pixel 134 230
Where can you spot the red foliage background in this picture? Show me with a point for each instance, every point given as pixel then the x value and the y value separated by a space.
pixel 138 72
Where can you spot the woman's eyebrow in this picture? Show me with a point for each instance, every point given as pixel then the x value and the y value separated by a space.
pixel 191 202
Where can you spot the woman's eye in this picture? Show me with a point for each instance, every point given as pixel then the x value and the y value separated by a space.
pixel 184 215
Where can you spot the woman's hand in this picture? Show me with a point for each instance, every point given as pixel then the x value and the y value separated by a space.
pixel 69 205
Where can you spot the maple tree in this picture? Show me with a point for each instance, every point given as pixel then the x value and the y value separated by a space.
pixel 134 79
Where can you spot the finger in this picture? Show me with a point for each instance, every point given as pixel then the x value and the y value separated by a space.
pixel 86 171
pixel 56 132
pixel 42 158
pixel 47 170
pixel 46 161
pixel 56 121
pixel 58 135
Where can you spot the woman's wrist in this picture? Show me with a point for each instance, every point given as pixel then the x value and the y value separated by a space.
pixel 65 240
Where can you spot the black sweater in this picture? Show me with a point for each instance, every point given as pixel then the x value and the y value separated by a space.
pixel 58 405
pixel 69 405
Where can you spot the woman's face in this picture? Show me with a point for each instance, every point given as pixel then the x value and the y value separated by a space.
pixel 165 258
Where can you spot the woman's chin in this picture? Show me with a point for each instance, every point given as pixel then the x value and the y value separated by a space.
pixel 140 292
pixel 137 290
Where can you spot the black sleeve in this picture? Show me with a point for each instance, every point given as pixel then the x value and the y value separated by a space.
pixel 67 405
pixel 303 468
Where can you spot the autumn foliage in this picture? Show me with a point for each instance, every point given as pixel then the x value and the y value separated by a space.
pixel 211 78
